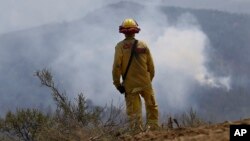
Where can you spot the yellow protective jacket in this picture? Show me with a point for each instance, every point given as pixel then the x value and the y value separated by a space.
pixel 141 71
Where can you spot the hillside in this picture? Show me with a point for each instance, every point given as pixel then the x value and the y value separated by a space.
pixel 215 132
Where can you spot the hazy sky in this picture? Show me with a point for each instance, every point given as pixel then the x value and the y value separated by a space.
pixel 17 15
pixel 77 67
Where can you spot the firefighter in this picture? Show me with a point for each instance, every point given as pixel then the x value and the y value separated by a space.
pixel 139 75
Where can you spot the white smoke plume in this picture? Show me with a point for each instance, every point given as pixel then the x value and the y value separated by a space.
pixel 180 58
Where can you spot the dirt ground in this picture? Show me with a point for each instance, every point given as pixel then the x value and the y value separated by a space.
pixel 216 132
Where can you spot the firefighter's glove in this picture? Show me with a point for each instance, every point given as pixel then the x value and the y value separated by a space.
pixel 121 89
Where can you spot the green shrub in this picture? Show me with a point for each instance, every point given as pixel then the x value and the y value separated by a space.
pixel 25 124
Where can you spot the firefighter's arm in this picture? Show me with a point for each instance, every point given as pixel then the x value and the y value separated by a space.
pixel 117 68
pixel 150 64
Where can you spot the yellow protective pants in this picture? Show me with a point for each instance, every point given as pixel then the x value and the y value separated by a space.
pixel 134 108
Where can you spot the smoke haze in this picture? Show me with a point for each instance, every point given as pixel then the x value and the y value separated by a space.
pixel 18 15
pixel 80 55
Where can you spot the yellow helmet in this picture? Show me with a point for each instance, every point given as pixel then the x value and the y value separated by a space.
pixel 129 26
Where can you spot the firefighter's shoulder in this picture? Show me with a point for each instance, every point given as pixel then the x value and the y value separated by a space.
pixel 119 44
pixel 142 43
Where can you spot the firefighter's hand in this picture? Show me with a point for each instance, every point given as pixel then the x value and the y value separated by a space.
pixel 121 89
